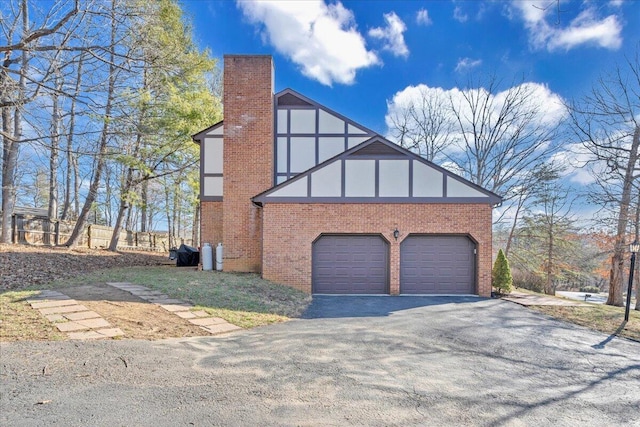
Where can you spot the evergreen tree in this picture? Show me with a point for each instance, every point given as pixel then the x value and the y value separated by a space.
pixel 501 278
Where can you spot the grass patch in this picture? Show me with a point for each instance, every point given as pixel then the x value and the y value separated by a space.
pixel 600 317
pixel 603 318
pixel 243 299
pixel 20 321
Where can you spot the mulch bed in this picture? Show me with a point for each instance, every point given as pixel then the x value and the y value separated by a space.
pixel 23 266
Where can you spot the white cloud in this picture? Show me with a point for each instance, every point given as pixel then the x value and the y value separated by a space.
pixel 545 104
pixel 322 39
pixel 616 3
pixel 585 29
pixel 459 15
pixel 575 158
pixel 422 17
pixel 392 35
pixel 465 64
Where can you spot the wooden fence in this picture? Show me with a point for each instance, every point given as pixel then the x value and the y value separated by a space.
pixel 38 230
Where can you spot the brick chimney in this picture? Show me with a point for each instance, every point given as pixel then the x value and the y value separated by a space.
pixel 248 156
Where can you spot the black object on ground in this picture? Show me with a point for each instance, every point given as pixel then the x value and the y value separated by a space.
pixel 188 256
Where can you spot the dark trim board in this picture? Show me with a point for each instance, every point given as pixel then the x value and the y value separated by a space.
pixel 491 198
pixel 373 199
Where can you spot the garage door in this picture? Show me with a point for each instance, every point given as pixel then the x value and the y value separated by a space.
pixel 350 264
pixel 437 265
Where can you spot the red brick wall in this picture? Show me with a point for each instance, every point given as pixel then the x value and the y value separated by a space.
pixel 290 230
pixel 248 156
pixel 210 223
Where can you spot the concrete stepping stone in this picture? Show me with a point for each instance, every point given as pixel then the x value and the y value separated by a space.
pixel 207 321
pixel 75 319
pixel 221 328
pixel 176 307
pixel 186 314
pixel 94 323
pixel 56 303
pixel 65 309
pixel 167 301
pixel 155 299
pixel 143 294
pixel 200 313
pixel 80 315
pixel 182 309
pixel 71 326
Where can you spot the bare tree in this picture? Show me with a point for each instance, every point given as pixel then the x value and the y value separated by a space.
pixel 423 125
pixel 534 184
pixel 501 134
pixel 22 41
pixel 101 151
pixel 607 122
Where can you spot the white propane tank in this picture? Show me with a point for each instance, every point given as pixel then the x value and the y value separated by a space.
pixel 219 257
pixel 207 257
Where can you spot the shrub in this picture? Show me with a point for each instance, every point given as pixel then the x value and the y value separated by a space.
pixel 501 278
pixel 528 281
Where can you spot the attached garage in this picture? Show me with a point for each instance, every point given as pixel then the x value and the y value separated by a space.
pixel 435 264
pixel 350 264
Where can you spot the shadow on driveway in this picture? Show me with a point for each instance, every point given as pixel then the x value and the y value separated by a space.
pixel 333 306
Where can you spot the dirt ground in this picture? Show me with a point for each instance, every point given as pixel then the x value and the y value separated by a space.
pixel 136 317
pixel 24 267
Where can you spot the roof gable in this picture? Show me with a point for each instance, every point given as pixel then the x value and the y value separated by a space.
pixel 213 130
pixel 377 171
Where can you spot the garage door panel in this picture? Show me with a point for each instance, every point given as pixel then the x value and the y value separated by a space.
pixel 437 265
pixel 349 264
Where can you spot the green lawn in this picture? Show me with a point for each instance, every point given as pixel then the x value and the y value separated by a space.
pixel 603 318
pixel 243 299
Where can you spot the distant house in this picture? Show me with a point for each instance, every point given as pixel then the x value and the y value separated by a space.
pixel 313 200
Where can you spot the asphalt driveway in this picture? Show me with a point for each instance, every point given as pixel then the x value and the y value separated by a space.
pixel 374 361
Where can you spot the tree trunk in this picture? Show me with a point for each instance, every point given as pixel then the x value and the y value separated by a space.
pixel 52 209
pixel 76 187
pixel 548 287
pixel 124 199
pixel 115 236
pixel 616 282
pixel 637 239
pixel 513 226
pixel 195 231
pixel 104 139
pixel 10 144
pixel 9 160
pixel 143 209
pixel 69 149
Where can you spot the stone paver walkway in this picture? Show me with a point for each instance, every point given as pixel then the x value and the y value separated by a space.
pixel 69 316
pixel 529 299
pixel 213 325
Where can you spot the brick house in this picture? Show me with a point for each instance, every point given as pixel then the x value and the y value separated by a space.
pixel 313 200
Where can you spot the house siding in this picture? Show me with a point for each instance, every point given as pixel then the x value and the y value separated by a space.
pixel 292 228
pixel 248 157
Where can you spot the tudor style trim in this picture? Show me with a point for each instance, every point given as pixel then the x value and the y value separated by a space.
pixel 200 139
pixel 351 154
pixel 286 139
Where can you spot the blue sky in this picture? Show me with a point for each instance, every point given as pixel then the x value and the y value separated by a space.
pixel 364 58
pixel 354 56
